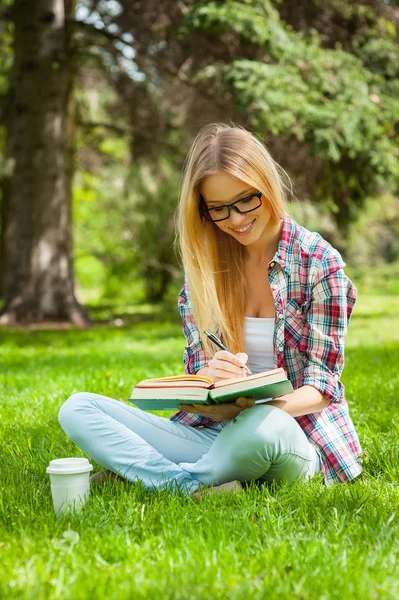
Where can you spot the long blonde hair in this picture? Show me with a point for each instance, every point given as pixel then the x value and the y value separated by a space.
pixel 211 258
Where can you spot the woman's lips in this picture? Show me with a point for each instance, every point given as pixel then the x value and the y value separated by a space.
pixel 244 232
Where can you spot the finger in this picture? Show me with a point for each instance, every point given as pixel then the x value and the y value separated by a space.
pixel 243 356
pixel 222 374
pixel 230 358
pixel 228 367
pixel 245 402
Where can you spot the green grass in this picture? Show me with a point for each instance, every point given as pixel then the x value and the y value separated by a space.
pixel 279 541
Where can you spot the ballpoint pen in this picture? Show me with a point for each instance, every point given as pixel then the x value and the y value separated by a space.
pixel 218 343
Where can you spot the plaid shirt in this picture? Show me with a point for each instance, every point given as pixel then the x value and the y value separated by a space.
pixel 314 300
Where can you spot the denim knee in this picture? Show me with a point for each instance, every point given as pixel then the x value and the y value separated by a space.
pixel 264 428
pixel 67 415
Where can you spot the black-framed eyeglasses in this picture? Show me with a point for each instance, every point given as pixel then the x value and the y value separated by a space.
pixel 221 213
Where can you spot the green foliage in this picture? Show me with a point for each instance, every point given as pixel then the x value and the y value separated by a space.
pixel 316 217
pixel 380 55
pixel 103 217
pixel 123 209
pixel 154 226
pixel 339 100
pixel 124 232
pixel 103 210
pixel 255 22
pixel 343 104
pixel 6 55
pixel 374 237
pixel 286 541
pixel 6 40
pixel 337 95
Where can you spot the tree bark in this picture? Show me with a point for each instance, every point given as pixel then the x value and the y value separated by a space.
pixel 39 268
pixel 5 235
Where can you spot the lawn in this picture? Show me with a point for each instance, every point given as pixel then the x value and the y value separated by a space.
pixel 299 541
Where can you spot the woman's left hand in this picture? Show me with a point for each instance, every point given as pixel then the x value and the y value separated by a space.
pixel 227 411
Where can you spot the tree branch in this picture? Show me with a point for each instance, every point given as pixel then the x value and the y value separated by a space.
pixel 112 37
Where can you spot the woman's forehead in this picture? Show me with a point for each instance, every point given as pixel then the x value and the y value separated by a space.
pixel 223 187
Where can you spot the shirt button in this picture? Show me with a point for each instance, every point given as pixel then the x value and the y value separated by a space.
pixel 336 375
pixel 272 263
pixel 281 316
pixel 298 312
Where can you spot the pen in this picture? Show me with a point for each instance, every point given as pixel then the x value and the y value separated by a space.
pixel 218 343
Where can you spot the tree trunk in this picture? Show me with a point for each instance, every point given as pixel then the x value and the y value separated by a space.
pixel 5 235
pixel 39 271
pixel 6 226
pixel 156 284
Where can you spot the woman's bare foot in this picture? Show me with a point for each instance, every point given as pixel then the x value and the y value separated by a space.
pixel 229 486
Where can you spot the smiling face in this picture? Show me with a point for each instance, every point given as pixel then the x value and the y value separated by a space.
pixel 222 189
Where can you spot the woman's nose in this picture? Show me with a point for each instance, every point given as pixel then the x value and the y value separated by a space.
pixel 236 219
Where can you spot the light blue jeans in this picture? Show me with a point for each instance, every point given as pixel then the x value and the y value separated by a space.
pixel 263 443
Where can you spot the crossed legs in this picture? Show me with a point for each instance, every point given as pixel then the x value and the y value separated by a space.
pixel 262 443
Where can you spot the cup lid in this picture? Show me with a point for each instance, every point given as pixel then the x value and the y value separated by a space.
pixel 69 466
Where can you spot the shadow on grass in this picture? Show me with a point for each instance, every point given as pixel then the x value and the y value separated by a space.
pixel 132 314
pixel 76 362
pixel 143 330
pixel 102 317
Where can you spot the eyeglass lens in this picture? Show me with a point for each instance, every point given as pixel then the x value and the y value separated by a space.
pixel 219 213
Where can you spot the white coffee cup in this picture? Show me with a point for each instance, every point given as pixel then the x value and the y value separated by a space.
pixel 70 485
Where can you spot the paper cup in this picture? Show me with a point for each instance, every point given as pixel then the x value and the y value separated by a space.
pixel 70 485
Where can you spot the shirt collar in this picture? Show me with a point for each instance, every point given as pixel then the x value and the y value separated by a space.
pixel 284 250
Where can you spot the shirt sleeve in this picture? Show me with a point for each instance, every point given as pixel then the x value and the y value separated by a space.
pixel 333 299
pixel 194 355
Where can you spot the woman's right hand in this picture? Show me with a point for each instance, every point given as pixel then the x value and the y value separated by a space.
pixel 227 366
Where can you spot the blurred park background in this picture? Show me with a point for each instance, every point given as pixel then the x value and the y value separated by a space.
pixel 99 103
pixel 100 100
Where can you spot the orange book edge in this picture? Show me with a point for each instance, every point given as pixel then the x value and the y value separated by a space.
pixel 146 383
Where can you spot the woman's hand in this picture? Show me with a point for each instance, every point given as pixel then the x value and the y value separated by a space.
pixel 226 411
pixel 225 365
pixel 221 367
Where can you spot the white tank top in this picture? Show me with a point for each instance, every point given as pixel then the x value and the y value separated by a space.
pixel 259 333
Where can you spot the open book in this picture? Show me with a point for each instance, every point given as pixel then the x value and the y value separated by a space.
pixel 166 393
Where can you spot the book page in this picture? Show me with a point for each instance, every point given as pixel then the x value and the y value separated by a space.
pixel 263 400
pixel 176 379
pixel 249 378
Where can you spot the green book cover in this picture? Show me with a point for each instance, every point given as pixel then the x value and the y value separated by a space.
pixel 264 391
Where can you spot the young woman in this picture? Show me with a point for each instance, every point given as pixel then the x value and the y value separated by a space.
pixel 277 295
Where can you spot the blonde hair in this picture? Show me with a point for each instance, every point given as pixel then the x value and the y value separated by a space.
pixel 211 258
